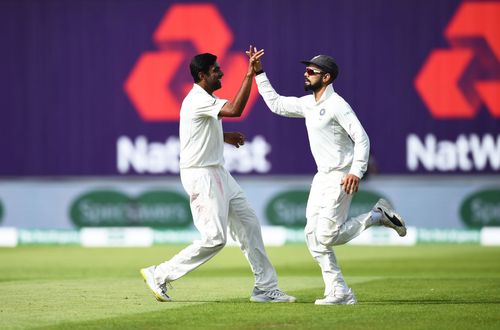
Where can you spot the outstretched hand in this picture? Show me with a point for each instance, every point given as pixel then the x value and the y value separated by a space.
pixel 255 56
pixel 235 138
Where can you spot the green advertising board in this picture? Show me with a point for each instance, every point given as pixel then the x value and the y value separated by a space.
pixel 363 201
pixel 288 208
pixel 481 209
pixel 1 211
pixel 111 208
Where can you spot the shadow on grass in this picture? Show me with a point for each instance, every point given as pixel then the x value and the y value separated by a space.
pixel 217 314
pixel 429 302
pixel 360 302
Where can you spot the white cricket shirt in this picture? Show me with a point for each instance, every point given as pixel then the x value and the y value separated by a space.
pixel 338 140
pixel 200 130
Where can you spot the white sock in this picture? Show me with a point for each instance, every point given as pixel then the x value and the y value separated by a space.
pixel 375 217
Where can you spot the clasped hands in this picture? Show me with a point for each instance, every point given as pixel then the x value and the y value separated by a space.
pixel 254 63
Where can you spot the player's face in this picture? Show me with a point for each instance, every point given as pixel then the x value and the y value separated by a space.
pixel 214 76
pixel 312 78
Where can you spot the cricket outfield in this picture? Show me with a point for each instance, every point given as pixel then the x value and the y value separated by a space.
pixel 417 287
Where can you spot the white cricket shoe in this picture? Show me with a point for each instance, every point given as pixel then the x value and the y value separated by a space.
pixel 338 298
pixel 160 291
pixel 390 218
pixel 276 296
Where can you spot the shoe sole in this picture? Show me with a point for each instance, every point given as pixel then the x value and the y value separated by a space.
pixel 350 301
pixel 257 300
pixel 341 303
pixel 157 296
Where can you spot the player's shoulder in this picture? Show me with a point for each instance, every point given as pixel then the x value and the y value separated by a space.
pixel 338 101
pixel 197 97
pixel 196 93
pixel 339 106
pixel 336 97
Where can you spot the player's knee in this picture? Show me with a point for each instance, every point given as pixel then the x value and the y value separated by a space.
pixel 327 239
pixel 326 231
pixel 324 239
pixel 215 244
pixel 214 248
pixel 219 247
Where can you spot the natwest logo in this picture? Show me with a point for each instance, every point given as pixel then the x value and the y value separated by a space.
pixel 153 85
pixel 456 82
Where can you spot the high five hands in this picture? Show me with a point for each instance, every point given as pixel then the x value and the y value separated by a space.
pixel 254 63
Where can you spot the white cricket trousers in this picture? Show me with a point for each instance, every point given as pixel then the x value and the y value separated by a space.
pixel 218 202
pixel 327 225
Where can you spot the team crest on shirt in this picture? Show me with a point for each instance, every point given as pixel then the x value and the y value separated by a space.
pixel 322 112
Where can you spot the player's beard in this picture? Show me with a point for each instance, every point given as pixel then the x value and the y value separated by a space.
pixel 216 84
pixel 312 86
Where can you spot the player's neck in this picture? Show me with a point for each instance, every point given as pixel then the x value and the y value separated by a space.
pixel 206 87
pixel 319 93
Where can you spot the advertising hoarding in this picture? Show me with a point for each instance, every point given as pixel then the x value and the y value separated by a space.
pixel 93 88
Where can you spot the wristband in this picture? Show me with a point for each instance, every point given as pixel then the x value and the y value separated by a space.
pixel 259 72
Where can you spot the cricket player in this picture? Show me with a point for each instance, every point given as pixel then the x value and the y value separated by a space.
pixel 340 148
pixel 217 201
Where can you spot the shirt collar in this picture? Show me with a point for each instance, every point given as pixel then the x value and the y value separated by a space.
pixel 328 92
pixel 199 88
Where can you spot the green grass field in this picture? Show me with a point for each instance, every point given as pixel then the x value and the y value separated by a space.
pixel 422 287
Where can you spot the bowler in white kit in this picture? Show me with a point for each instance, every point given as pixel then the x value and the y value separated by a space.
pixel 217 201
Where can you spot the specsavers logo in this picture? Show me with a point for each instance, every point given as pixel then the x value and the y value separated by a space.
pixel 288 208
pixel 110 208
pixel 157 83
pixel 481 209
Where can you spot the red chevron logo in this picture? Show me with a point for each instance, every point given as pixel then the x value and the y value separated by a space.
pixel 454 83
pixel 154 86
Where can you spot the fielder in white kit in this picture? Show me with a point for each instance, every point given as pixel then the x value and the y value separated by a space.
pixel 340 148
pixel 217 201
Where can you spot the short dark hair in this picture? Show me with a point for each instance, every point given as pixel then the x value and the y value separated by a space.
pixel 201 63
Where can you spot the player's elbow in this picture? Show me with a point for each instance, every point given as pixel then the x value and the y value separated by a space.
pixel 229 110
pixel 235 114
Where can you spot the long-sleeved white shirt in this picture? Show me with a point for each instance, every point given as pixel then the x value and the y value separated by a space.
pixel 338 140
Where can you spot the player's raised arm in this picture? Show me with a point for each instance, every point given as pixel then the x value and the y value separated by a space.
pixel 287 106
pixel 235 107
